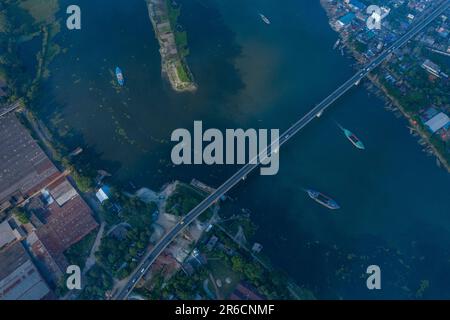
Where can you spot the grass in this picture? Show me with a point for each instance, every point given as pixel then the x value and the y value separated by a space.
pixel 173 13
pixel 183 200
pixel 79 252
pixel 221 270
pixel 182 74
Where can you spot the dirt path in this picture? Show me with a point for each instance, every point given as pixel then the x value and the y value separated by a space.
pixel 90 261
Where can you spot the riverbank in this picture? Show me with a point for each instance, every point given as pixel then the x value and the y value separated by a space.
pixel 173 45
pixel 442 159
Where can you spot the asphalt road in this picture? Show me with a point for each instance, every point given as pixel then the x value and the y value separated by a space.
pixel 286 136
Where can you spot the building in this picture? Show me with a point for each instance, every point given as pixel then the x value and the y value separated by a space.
pixel 345 20
pixel 103 194
pixel 65 219
pixel 24 167
pixel 355 5
pixel 8 233
pixel 244 291
pixel 432 68
pixel 61 192
pixel 257 247
pixel 211 243
pixel 58 214
pixel 439 121
pixel 53 270
pixel 19 277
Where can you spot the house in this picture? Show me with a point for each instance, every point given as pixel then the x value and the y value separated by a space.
pixel 103 194
pixel 432 68
pixel 212 243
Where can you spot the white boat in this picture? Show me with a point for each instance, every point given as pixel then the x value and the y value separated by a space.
pixel 264 18
pixel 336 44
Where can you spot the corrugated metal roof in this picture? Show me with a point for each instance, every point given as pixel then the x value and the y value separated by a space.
pixel 6 234
pixel 438 122
pixel 19 278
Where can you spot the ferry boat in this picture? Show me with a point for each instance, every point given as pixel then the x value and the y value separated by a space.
pixel 352 138
pixel 264 18
pixel 119 76
pixel 323 199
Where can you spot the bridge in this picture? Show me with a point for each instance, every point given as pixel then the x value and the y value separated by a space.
pixel 241 174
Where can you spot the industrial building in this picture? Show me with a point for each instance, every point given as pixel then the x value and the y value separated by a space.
pixel 24 167
pixel 19 277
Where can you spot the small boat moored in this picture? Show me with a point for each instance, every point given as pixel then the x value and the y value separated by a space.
pixel 323 199
pixel 119 76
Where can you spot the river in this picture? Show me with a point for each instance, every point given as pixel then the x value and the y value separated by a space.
pixel 395 209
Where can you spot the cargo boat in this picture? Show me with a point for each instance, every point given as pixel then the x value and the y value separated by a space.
pixel 352 138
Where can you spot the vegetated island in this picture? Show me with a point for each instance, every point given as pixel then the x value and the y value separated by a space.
pixel 173 44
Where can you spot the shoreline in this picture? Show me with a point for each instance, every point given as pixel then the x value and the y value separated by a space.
pixel 443 161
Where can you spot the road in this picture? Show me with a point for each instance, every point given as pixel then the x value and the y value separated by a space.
pixel 10 108
pixel 240 175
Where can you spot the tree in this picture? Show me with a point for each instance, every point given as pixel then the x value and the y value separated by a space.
pixel 21 215
pixel 253 271
pixel 238 264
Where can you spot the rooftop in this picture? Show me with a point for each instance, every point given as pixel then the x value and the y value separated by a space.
pixel 438 122
pixel 7 234
pixel 19 278
pixel 24 167
pixel 346 19
pixel 245 291
pixel 65 225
